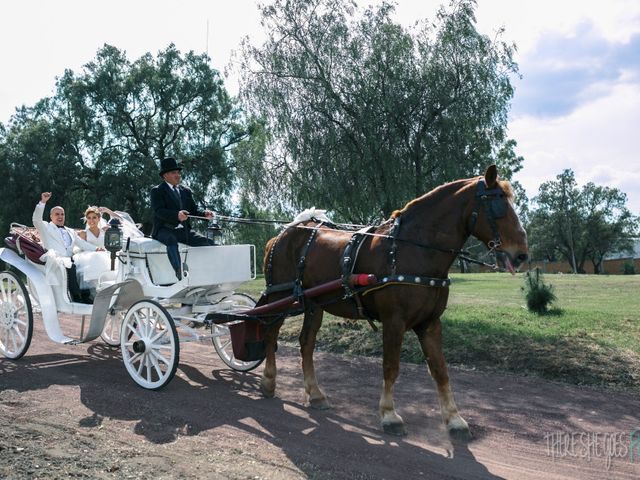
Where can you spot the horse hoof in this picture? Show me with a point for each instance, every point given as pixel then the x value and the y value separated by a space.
pixel 396 429
pixel 460 434
pixel 267 392
pixel 319 404
pixel 459 429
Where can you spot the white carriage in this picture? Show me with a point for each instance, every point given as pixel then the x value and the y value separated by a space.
pixel 139 306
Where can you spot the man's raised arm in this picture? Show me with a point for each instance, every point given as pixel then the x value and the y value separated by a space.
pixel 38 212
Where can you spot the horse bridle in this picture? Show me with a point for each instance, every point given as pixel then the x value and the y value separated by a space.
pixel 495 207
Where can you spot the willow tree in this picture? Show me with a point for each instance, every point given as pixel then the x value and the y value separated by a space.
pixel 363 114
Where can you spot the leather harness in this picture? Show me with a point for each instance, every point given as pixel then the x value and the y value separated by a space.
pixel 491 199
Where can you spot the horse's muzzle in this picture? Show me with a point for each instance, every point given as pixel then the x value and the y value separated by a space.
pixel 511 262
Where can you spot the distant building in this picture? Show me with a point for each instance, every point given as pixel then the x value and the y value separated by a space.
pixel 613 264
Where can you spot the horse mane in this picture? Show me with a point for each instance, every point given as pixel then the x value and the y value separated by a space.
pixel 438 192
pixel 506 187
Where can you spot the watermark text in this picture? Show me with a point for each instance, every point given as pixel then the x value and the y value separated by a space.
pixel 590 445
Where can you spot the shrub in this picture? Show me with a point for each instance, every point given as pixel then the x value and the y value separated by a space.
pixel 628 268
pixel 538 294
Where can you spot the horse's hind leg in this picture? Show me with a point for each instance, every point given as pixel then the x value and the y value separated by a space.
pixel 268 380
pixel 392 335
pixel 431 341
pixel 310 327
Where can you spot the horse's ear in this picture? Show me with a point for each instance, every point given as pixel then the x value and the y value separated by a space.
pixel 490 176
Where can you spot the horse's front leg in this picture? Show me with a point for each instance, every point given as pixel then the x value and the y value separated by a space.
pixel 312 322
pixel 392 335
pixel 268 380
pixel 430 337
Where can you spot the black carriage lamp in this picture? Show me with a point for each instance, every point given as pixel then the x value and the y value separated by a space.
pixel 214 232
pixel 113 239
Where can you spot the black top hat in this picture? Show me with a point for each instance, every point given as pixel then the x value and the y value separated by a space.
pixel 168 164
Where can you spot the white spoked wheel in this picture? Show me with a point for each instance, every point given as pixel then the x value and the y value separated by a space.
pixel 16 316
pixel 112 326
pixel 221 336
pixel 33 296
pixel 149 343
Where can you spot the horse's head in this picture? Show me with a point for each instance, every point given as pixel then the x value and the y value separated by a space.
pixel 495 222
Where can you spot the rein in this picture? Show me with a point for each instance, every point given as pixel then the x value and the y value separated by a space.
pixel 259 221
pixel 463 254
pixel 493 203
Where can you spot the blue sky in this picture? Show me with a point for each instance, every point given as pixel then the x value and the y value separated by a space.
pixel 577 105
pixel 563 72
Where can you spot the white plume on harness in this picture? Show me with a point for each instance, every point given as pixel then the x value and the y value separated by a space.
pixel 308 214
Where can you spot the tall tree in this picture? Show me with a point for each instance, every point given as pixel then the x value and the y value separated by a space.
pixel 364 114
pixel 609 225
pixel 555 224
pixel 107 127
pixel 35 156
pixel 580 224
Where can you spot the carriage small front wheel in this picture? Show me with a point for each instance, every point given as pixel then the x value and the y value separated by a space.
pixel 16 316
pixel 149 344
pixel 221 336
pixel 112 326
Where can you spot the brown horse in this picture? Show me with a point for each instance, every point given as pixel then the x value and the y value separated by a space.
pixel 411 254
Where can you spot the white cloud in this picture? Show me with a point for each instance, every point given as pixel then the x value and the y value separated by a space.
pixel 599 141
pixel 527 22
pixel 39 39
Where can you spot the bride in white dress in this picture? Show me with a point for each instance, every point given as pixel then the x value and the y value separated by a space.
pixel 90 265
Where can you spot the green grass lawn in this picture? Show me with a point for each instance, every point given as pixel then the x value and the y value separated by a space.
pixel 591 336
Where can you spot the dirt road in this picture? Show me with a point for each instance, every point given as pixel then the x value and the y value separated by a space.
pixel 73 412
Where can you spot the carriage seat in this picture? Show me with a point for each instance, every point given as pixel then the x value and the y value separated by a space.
pixel 149 245
pixel 206 266
pixel 27 247
pixel 155 258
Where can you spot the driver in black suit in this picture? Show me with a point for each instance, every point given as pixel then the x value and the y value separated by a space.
pixel 172 204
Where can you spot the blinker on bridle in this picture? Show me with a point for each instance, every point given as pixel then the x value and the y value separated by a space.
pixel 495 207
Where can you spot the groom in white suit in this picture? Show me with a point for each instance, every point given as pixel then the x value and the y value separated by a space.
pixel 55 236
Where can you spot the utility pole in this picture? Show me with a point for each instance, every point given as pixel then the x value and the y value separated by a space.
pixel 204 127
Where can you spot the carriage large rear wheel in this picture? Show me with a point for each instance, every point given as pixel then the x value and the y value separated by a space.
pixel 16 316
pixel 149 344
pixel 221 336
